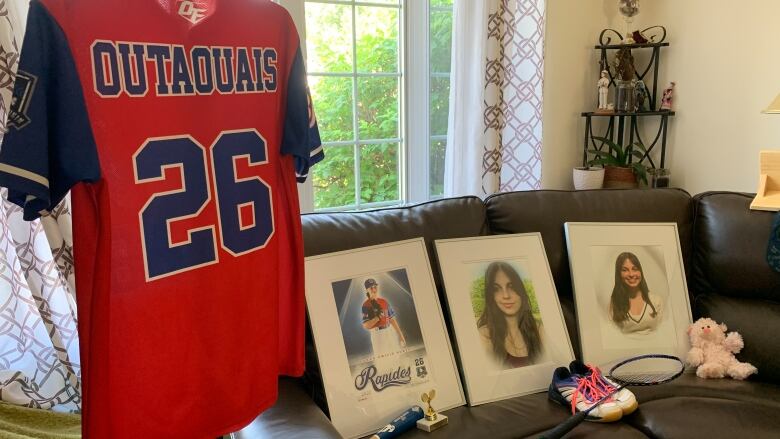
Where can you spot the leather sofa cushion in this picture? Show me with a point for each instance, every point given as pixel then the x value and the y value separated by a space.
pixel 687 407
pixel 730 253
pixel 294 416
pixel 759 323
pixel 710 408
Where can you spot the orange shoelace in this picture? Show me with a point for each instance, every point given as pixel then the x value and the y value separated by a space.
pixel 591 393
pixel 597 379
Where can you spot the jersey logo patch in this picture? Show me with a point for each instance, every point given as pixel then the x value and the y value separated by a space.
pixel 23 91
pixel 191 12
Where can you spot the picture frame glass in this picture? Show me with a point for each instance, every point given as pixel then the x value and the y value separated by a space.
pixel 505 312
pixel 630 291
pixel 380 335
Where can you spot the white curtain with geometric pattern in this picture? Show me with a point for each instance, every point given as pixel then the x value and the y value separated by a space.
pixel 494 138
pixel 39 343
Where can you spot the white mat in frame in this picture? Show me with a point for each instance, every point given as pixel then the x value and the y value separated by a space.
pixel 595 251
pixel 334 293
pixel 465 264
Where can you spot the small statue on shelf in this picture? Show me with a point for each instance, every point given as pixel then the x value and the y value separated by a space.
pixel 603 87
pixel 666 98
pixel 640 94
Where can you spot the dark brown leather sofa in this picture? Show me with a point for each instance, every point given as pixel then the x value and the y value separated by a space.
pixel 724 245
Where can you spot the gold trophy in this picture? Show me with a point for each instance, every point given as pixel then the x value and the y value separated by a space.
pixel 432 420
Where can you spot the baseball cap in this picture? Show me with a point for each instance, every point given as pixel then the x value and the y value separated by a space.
pixel 370 283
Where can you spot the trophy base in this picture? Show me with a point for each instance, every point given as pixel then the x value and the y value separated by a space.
pixel 429 426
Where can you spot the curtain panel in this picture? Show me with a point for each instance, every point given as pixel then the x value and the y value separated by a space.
pixel 494 136
pixel 39 344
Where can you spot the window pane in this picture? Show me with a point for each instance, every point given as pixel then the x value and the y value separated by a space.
pixel 441 41
pixel 334 178
pixel 440 105
pixel 436 163
pixel 332 99
pixel 379 173
pixel 328 38
pixel 378 108
pixel 377 39
pixel 389 2
pixel 441 2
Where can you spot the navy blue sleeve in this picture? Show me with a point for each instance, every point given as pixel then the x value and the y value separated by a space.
pixel 49 146
pixel 301 136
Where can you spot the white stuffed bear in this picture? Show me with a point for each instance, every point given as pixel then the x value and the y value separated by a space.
pixel 713 351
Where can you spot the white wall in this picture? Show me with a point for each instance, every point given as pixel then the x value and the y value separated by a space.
pixel 723 57
pixel 570 75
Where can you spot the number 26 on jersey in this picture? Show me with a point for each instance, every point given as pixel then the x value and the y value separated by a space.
pixel 162 257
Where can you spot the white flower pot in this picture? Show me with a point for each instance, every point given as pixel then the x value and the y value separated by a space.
pixel 588 178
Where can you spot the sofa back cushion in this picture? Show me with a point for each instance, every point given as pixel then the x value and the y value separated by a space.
pixel 731 279
pixel 546 211
pixel 730 253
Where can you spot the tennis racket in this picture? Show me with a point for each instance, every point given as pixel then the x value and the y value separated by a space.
pixel 642 370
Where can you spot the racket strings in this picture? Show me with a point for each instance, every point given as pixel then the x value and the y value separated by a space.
pixel 646 378
pixel 647 370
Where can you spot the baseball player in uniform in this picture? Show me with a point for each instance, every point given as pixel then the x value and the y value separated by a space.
pixel 378 317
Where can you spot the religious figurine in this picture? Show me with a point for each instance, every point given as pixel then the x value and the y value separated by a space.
pixel 603 87
pixel 666 98
pixel 640 93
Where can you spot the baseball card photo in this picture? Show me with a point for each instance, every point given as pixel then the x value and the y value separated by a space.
pixel 381 332
pixel 380 335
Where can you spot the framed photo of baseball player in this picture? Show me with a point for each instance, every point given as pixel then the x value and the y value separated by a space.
pixel 380 336
pixel 629 290
pixel 508 323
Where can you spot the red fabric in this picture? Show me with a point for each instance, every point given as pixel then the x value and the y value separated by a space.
pixel 193 354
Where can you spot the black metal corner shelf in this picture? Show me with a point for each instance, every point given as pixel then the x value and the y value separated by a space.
pixel 617 123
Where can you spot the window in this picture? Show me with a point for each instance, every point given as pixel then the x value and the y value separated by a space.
pixel 440 43
pixel 379 77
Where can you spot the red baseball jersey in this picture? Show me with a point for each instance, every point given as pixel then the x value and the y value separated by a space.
pixel 181 128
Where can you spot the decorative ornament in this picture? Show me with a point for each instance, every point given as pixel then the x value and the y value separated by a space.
pixel 628 9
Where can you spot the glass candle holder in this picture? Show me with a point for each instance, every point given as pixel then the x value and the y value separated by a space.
pixel 659 177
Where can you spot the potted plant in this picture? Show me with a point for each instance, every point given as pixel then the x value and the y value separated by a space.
pixel 619 171
pixel 588 177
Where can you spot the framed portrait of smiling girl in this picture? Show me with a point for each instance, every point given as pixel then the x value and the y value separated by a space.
pixel 507 320
pixel 629 289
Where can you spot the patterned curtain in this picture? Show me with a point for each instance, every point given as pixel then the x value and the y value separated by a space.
pixel 39 344
pixel 495 126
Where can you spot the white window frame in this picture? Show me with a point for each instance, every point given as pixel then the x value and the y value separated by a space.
pixel 414 124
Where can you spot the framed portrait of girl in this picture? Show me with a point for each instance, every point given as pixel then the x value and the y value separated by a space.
pixel 508 324
pixel 629 289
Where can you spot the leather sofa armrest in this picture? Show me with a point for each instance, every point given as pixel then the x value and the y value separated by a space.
pixel 294 416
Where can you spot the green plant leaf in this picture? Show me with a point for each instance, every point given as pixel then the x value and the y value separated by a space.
pixel 641 171
pixel 608 161
pixel 640 147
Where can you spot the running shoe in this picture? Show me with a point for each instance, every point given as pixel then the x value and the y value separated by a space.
pixel 579 394
pixel 625 398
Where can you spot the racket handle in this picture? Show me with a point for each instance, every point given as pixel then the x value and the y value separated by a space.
pixel 565 427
